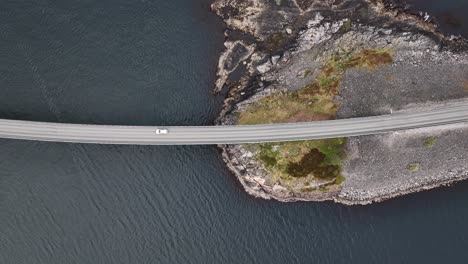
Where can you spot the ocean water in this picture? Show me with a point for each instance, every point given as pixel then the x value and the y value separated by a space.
pixel 153 62
pixel 112 62
pixel 450 14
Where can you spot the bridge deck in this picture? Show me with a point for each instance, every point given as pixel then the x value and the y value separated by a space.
pixel 205 135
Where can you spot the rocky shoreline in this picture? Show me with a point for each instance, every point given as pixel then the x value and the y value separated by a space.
pixel 280 46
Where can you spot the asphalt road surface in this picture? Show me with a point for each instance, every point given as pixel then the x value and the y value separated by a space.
pixel 206 135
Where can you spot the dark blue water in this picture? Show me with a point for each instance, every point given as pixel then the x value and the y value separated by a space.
pixel 153 62
pixel 117 62
pixel 451 15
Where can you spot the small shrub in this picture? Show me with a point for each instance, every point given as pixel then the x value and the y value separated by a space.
pixel 346 26
pixel 268 155
pixel 413 167
pixel 429 142
pixel 340 179
pixel 269 161
pixel 313 163
pixel 308 164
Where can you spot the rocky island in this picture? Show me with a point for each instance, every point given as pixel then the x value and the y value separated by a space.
pixel 307 60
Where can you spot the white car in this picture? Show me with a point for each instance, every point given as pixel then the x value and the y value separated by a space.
pixel 162 131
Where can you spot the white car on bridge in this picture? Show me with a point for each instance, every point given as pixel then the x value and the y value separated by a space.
pixel 162 131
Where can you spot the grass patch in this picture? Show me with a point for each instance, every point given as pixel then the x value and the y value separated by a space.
pixel 315 101
pixel 340 179
pixel 313 159
pixel 323 188
pixel 429 142
pixel 313 163
pixel 413 167
pixel 308 190
pixel 368 58
pixel 304 105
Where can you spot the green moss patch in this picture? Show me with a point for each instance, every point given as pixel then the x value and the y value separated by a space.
pixel 429 142
pixel 300 106
pixel 413 167
pixel 309 160
pixel 340 180
pixel 346 26
pixel 313 163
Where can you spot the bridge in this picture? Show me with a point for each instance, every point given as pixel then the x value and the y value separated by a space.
pixel 207 135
